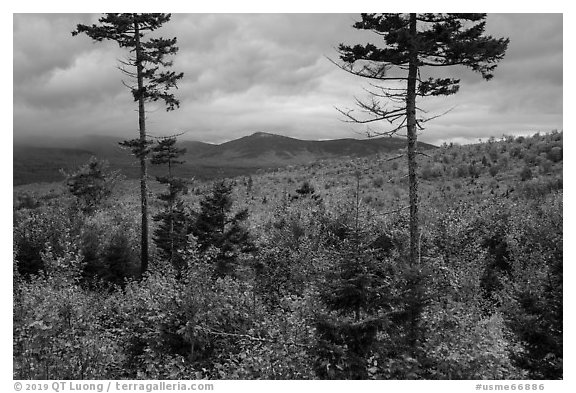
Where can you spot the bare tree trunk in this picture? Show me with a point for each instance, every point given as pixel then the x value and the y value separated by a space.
pixel 412 137
pixel 413 282
pixel 171 212
pixel 143 169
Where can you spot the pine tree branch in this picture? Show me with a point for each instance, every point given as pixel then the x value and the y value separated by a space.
pixel 372 74
pixel 373 134
pixel 386 88
pixel 425 120
pixel 447 64
pixel 131 87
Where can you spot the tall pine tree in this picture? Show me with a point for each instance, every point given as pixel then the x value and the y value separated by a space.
pixel 411 44
pixel 148 66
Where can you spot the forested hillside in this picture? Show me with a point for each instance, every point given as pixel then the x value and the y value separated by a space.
pixel 300 272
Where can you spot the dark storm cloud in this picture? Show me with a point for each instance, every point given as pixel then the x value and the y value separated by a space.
pixel 235 53
pixel 256 72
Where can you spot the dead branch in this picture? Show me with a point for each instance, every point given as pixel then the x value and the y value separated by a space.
pixel 403 177
pixel 367 72
pixel 392 211
pixel 396 157
pixel 253 338
pixel 167 136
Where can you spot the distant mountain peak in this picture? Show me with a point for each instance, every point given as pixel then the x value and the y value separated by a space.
pixel 261 134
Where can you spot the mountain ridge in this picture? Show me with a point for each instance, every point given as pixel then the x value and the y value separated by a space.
pixel 260 150
pixel 258 144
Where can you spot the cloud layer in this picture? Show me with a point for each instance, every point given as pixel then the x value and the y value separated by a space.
pixel 269 72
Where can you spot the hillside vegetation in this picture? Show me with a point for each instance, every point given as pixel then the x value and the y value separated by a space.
pixel 301 273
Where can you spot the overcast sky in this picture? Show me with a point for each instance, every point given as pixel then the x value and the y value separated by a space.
pixel 245 73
